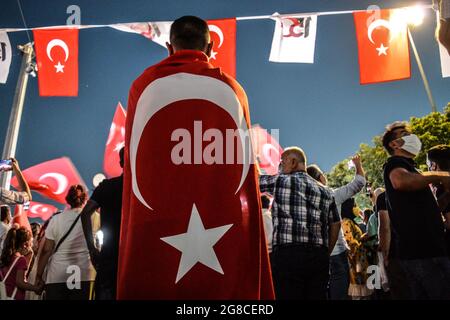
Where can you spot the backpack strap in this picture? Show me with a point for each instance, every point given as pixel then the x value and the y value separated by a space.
pixel 10 269
pixel 67 233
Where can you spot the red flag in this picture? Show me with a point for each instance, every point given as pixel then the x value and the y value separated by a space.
pixel 57 60
pixel 223 55
pixel 383 46
pixel 191 223
pixel 52 178
pixel 115 142
pixel 267 150
pixel 20 217
pixel 41 210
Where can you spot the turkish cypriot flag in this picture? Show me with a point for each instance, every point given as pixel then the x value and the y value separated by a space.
pixel 294 39
pixel 5 56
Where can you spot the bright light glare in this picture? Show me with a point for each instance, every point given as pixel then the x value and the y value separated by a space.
pixel 99 236
pixel 415 15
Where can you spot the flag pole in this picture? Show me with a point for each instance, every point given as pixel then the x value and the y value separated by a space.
pixel 422 73
pixel 9 148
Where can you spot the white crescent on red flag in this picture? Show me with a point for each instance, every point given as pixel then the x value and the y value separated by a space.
pixel 20 217
pixel 41 210
pixel 52 178
pixel 57 61
pixel 267 150
pixel 115 142
pixel 223 54
pixel 182 220
pixel 383 47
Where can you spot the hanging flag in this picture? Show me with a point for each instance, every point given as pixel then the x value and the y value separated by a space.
pixel 383 46
pixel 223 54
pixel 115 142
pixel 176 243
pixel 267 150
pixel 158 32
pixel 294 39
pixel 5 56
pixel 52 178
pixel 20 217
pixel 41 210
pixel 57 61
pixel 445 57
pixel 222 32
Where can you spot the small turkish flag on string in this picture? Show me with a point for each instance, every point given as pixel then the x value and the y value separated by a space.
pixel 20 217
pixel 57 60
pixel 116 140
pixel 223 54
pixel 383 46
pixel 52 178
pixel 41 210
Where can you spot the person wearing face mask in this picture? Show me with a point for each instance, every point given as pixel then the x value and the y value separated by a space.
pixel 418 238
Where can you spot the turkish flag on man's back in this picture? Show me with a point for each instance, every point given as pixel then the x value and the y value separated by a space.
pixel 383 46
pixel 57 61
pixel 192 224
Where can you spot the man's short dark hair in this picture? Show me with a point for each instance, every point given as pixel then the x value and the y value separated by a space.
pixel 189 32
pixel 314 171
pixel 389 135
pixel 5 212
pixel 440 154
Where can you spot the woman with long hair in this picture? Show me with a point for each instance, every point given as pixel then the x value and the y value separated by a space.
pixel 65 255
pixel 14 264
pixel 357 256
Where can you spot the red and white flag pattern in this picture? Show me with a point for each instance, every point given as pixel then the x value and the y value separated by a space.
pixel 20 217
pixel 383 46
pixel 52 178
pixel 294 39
pixel 41 210
pixel 266 149
pixel 57 61
pixel 115 142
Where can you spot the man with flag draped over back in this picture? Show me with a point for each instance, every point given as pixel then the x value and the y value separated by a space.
pixel 192 225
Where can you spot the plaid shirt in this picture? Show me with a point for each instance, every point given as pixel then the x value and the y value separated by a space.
pixel 302 209
pixel 443 6
pixel 13 197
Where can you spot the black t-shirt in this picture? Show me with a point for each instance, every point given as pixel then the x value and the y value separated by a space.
pixel 381 205
pixel 439 193
pixel 415 216
pixel 108 195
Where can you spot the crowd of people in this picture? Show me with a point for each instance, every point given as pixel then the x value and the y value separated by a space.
pixel 321 244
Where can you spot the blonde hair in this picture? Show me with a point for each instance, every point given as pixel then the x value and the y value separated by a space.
pixel 297 152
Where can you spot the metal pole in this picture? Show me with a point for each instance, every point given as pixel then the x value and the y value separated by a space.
pixel 422 73
pixel 9 148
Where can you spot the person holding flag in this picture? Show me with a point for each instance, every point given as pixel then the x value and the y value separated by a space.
pixel 16 197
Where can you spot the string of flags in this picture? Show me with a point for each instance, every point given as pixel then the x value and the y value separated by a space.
pixel 383 47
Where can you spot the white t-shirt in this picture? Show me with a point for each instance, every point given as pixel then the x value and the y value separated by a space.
pixel 72 253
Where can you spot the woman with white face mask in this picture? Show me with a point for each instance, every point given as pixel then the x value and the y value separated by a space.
pixel 418 266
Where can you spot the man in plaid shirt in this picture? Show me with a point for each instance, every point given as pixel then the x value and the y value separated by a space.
pixel 16 197
pixel 306 225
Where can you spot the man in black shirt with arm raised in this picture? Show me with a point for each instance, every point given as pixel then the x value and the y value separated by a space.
pixel 415 216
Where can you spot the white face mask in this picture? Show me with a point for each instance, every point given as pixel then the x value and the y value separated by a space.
pixel 412 144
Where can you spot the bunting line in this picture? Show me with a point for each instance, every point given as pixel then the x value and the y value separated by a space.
pixel 262 17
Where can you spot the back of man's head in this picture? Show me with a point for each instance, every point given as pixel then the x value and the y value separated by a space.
pixel 5 213
pixel 440 154
pixel 189 33
pixel 297 153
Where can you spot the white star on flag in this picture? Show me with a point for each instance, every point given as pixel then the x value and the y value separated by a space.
pixel 119 146
pixel 196 245
pixel 59 67
pixel 213 54
pixel 382 50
